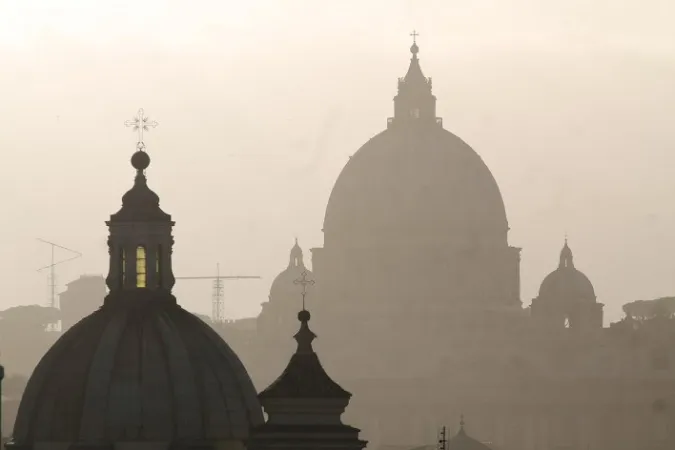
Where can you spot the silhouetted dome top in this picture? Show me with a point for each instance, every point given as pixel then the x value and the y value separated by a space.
pixel 284 285
pixel 304 377
pixel 566 282
pixel 138 369
pixel 416 181
pixel 462 441
pixel 140 203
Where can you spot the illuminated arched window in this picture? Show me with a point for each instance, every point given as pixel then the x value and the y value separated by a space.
pixel 123 268
pixel 141 267
pixel 158 266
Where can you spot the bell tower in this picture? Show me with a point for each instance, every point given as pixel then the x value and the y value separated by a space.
pixel 140 243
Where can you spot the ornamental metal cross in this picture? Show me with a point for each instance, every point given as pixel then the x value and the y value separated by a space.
pixel 414 35
pixel 304 282
pixel 140 123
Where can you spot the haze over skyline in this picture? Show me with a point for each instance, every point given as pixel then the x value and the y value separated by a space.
pixel 261 103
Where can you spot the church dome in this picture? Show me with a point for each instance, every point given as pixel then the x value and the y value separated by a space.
pixel 419 180
pixel 284 285
pixel 567 282
pixel 462 441
pixel 138 369
pixel 415 180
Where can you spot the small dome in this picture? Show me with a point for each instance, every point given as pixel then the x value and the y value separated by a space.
pixel 284 285
pixel 566 282
pixel 462 441
pixel 138 369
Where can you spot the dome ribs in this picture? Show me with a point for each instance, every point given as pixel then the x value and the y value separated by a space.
pixel 97 382
pixel 234 392
pixel 157 388
pixel 214 412
pixel 185 393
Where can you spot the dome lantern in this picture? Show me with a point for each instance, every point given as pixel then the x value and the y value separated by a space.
pixel 140 242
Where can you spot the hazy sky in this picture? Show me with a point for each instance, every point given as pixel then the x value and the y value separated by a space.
pixel 261 102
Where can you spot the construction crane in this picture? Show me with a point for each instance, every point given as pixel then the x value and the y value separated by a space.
pixel 218 297
pixel 53 302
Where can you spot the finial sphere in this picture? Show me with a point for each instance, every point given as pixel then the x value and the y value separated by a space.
pixel 140 160
pixel 304 315
pixel 414 49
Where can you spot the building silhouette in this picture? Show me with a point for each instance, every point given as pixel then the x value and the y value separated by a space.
pixel 304 405
pixel 81 297
pixel 417 266
pixel 140 372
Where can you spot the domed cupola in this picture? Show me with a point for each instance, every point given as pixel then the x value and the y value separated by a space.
pixel 462 441
pixel 140 370
pixel 416 201
pixel 277 317
pixel 282 286
pixel 567 297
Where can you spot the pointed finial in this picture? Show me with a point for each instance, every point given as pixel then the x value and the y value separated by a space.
pixel 566 258
pixel 414 49
pixel 140 160
pixel 304 336
pixel 461 421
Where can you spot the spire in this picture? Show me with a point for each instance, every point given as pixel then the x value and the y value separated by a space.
pixel 414 77
pixel 296 259
pixel 414 102
pixel 461 425
pixel 304 336
pixel 566 258
pixel 304 376
pixel 140 242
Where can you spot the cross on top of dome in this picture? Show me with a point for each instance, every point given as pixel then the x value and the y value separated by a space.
pixel 140 123
pixel 414 49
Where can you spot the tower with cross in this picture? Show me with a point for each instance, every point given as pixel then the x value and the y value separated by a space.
pixel 304 405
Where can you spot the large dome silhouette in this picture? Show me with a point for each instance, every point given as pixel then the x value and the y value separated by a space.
pixel 419 182
pixel 138 369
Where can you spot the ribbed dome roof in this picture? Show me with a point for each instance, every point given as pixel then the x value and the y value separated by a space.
pixel 138 369
pixel 566 282
pixel 417 180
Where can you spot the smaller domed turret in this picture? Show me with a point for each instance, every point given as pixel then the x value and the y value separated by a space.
pixel 462 441
pixel 567 297
pixel 277 315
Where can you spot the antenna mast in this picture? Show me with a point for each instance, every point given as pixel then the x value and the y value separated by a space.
pixel 442 439
pixel 218 300
pixel 53 302
pixel 218 297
